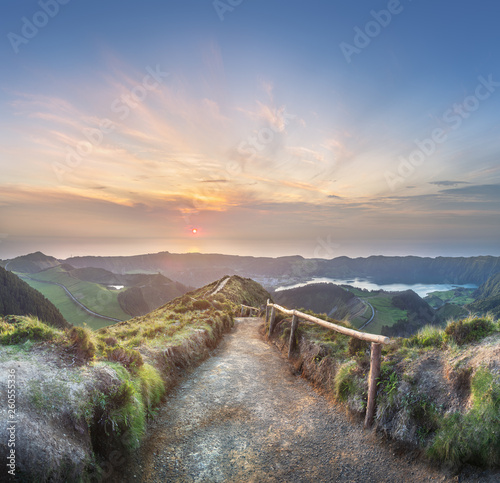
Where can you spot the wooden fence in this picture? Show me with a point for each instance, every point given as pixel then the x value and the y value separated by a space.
pixel 376 347
pixel 247 309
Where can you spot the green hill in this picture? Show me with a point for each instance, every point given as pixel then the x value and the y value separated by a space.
pixel 18 298
pixel 487 297
pixel 103 292
pixel 32 263
pixel 378 312
pixel 94 296
pixel 322 298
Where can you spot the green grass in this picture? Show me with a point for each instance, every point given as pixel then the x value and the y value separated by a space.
pixel 74 314
pixel 93 295
pixel 427 336
pixel 96 297
pixel 385 312
pixel 460 296
pixel 21 329
pixel 473 437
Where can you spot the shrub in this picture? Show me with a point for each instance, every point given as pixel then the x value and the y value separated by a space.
pixel 356 345
pixel 152 386
pixel 81 342
pixel 118 417
pixel 472 437
pixel 130 358
pixel 428 336
pixel 111 341
pixel 201 304
pixel 344 381
pixel 469 330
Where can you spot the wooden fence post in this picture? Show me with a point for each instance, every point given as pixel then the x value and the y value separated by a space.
pixel 273 319
pixel 292 344
pixel 376 352
pixel 241 313
pixel 267 310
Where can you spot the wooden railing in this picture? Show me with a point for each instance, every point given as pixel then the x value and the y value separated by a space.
pixel 248 309
pixel 376 347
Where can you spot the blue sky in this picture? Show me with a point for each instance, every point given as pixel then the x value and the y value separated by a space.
pixel 320 128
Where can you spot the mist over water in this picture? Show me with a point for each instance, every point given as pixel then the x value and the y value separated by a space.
pixel 421 289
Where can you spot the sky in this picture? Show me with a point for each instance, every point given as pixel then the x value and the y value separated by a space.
pixel 250 127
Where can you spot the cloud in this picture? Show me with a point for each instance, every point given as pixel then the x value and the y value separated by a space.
pixel 490 192
pixel 448 183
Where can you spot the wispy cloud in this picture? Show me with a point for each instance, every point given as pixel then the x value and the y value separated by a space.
pixel 448 183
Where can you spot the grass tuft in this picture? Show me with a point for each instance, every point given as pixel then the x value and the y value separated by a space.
pixel 473 437
pixel 428 336
pixel 20 329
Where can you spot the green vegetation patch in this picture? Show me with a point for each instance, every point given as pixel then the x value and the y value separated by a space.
pixel 469 330
pixel 473 437
pixel 94 296
pixel 18 330
pixel 428 336
pixel 69 309
pixel 458 296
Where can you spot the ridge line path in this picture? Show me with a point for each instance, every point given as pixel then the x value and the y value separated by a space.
pixel 220 286
pixel 242 416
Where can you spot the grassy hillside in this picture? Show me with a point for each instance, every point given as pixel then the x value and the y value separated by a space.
pixel 66 306
pixel 458 296
pixel 95 288
pixel 84 397
pixel 439 390
pixel 32 263
pixel 487 297
pixel 388 313
pixel 18 298
pixel 326 298
pixel 93 295
pixel 149 291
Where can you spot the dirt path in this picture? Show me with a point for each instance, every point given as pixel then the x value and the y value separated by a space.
pixel 242 416
pixel 220 286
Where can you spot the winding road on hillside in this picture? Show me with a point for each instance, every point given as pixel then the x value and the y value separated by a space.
pixel 72 297
pixel 243 416
pixel 371 318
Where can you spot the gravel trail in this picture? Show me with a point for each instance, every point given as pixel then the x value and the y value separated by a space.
pixel 242 416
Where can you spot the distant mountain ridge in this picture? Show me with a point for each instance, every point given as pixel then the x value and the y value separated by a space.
pixel 32 263
pixel 197 269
